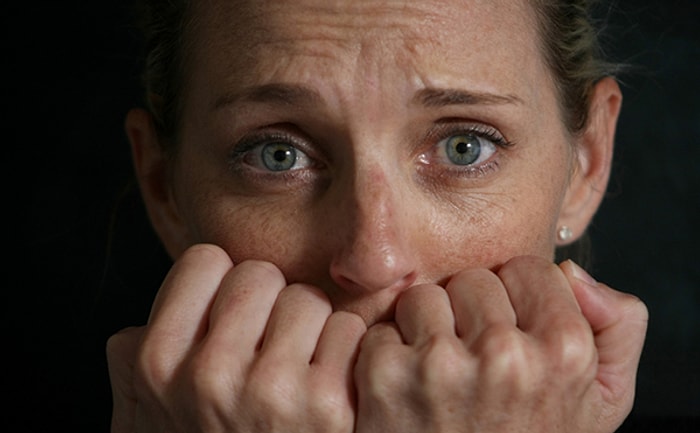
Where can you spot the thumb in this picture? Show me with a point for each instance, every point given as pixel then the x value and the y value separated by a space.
pixel 619 323
pixel 122 348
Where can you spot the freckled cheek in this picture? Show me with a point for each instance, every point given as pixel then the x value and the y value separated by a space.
pixel 254 230
pixel 458 241
pixel 451 247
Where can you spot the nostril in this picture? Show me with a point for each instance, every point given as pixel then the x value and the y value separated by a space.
pixel 373 281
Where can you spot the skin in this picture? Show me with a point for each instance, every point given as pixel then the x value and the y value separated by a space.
pixel 376 286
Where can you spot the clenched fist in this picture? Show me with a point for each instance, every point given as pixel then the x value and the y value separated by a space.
pixel 532 348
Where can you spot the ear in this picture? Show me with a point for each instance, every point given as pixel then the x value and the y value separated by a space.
pixel 592 160
pixel 152 168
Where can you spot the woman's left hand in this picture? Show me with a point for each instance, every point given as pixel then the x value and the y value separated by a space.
pixel 533 347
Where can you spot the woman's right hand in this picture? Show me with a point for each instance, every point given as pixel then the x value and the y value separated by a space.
pixel 235 349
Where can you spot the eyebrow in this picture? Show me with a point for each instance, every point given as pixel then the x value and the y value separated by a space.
pixel 296 95
pixel 432 98
pixel 274 93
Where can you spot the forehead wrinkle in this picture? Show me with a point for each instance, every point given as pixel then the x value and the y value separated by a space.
pixel 272 47
pixel 363 15
pixel 348 25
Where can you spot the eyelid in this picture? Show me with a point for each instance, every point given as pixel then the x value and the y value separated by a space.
pixel 251 145
pixel 449 127
pixel 435 167
pixel 261 137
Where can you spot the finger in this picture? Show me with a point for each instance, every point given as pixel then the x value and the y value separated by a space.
pixel 240 313
pixel 423 312
pixel 339 341
pixel 178 317
pixel 296 323
pixel 337 350
pixel 547 310
pixel 540 294
pixel 384 365
pixel 380 335
pixel 619 324
pixel 121 356
pixel 381 349
pixel 479 300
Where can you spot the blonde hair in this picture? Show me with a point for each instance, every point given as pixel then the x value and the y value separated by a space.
pixel 572 50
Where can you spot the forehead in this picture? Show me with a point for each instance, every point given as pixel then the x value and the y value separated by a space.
pixel 483 45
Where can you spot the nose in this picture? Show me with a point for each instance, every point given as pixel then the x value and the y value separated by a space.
pixel 373 251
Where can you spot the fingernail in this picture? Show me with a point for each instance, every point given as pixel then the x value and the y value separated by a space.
pixel 582 275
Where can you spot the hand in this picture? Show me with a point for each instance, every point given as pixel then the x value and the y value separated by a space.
pixel 235 349
pixel 533 348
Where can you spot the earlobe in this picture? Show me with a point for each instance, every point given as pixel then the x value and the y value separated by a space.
pixel 593 160
pixel 152 168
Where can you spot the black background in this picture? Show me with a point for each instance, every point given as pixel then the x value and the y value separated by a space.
pixel 82 261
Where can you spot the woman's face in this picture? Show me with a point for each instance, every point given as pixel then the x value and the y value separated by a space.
pixel 368 146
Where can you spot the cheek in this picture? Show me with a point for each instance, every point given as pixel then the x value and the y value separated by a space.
pixel 514 217
pixel 257 228
pixel 257 231
pixel 487 233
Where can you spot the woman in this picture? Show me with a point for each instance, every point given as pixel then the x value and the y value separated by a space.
pixel 363 200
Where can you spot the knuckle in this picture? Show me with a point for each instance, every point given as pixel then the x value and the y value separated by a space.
pixel 259 267
pixel 529 261
pixel 504 353
pixel 518 266
pixel 635 308
pixel 573 348
pixel 208 377
pixel 415 296
pixel 210 253
pixel 444 355
pixel 350 320
pixel 420 292
pixel 124 342
pixel 331 409
pixel 153 370
pixel 473 276
pixel 382 373
pixel 445 366
pixel 351 326
pixel 271 388
pixel 304 294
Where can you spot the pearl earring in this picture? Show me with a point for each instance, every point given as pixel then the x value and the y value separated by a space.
pixel 564 233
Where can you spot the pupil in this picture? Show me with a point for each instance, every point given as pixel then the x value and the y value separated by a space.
pixel 462 147
pixel 280 155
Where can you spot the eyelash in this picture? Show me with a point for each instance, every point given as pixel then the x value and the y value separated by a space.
pixel 444 130
pixel 249 143
pixel 450 128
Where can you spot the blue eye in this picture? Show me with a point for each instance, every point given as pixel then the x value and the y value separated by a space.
pixel 463 149
pixel 278 156
pixel 467 149
pixel 272 153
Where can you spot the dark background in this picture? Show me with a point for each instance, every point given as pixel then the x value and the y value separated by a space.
pixel 82 260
